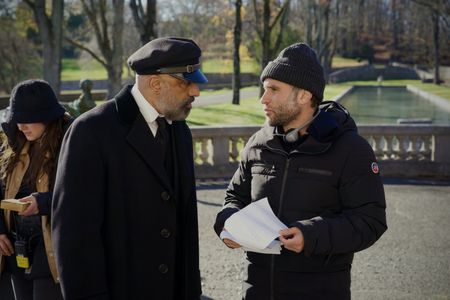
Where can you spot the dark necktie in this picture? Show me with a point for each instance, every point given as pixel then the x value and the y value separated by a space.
pixel 162 137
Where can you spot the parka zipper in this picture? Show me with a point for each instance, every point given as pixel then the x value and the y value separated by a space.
pixel 272 260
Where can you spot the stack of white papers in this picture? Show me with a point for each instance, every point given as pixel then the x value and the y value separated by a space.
pixel 255 228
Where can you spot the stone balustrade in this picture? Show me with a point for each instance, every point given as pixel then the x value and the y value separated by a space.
pixel 402 150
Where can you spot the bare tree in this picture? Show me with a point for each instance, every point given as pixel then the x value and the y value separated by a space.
pixel 318 31
pixel 145 20
pixel 236 57
pixel 19 58
pixel 50 30
pixel 264 29
pixel 109 39
pixel 438 9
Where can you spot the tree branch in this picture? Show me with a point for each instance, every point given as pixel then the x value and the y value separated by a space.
pixel 83 47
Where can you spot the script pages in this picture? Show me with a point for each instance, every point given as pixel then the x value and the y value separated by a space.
pixel 255 228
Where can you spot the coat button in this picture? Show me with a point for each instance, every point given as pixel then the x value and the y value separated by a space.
pixel 165 233
pixel 163 268
pixel 165 196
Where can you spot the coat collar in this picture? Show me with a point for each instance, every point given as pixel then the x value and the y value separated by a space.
pixel 322 132
pixel 139 135
pixel 266 138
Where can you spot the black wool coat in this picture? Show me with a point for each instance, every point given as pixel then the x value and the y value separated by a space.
pixel 115 213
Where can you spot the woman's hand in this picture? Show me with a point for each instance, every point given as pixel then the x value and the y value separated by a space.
pixel 6 247
pixel 32 209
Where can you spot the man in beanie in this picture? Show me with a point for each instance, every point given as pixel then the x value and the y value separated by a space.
pixel 321 180
pixel 125 207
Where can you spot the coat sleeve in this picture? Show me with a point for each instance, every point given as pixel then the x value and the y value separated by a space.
pixel 78 215
pixel 44 201
pixel 238 193
pixel 362 220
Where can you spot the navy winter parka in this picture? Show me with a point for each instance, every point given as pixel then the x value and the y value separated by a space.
pixel 329 187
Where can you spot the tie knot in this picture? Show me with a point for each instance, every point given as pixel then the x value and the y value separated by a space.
pixel 162 123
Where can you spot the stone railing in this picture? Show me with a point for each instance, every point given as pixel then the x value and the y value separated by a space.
pixel 402 150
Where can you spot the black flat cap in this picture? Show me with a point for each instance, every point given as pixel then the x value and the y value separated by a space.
pixel 169 55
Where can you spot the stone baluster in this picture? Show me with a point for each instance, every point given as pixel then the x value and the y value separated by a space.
pixel 403 147
pixel 234 153
pixel 428 146
pixel 204 154
pixel 377 146
pixel 416 145
pixel 388 146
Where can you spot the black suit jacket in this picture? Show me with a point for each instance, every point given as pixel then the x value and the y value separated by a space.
pixel 114 210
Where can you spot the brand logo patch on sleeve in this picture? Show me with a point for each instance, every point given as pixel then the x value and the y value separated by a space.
pixel 375 168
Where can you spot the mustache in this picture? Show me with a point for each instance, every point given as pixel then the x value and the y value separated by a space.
pixel 189 100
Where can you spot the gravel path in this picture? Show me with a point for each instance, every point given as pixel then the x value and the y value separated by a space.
pixel 411 261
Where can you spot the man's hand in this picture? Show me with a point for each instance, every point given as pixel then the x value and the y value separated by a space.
pixel 32 209
pixel 232 244
pixel 292 239
pixel 6 247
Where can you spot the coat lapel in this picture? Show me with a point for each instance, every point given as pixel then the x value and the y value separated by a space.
pixel 140 136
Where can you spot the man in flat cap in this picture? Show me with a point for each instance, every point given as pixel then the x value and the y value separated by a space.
pixel 124 208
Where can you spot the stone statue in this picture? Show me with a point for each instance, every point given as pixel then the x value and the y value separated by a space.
pixel 84 102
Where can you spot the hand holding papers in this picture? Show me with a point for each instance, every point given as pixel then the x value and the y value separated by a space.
pixel 255 228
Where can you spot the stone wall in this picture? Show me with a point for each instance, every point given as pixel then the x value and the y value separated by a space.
pixel 370 72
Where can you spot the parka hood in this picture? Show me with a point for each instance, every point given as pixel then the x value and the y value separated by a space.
pixel 333 120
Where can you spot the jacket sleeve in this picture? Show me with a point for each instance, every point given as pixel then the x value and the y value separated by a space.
pixel 238 193
pixel 362 220
pixel 44 202
pixel 78 215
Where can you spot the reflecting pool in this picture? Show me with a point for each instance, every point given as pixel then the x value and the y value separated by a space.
pixel 385 105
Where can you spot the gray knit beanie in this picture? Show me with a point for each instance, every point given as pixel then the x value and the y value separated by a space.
pixel 297 65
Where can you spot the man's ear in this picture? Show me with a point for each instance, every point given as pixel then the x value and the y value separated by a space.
pixel 154 84
pixel 304 97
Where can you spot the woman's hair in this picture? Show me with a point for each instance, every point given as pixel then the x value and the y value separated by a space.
pixel 48 144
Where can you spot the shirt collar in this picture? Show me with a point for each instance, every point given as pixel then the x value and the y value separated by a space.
pixel 147 110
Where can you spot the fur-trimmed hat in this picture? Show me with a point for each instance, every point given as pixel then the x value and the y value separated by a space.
pixel 33 101
pixel 297 65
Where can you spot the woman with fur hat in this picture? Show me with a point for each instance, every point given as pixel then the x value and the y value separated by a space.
pixel 28 161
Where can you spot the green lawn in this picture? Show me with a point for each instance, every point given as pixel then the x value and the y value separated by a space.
pixel 225 66
pixel 340 62
pixel 77 69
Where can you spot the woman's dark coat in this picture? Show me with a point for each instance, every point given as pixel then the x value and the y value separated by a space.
pixel 114 222
pixel 328 186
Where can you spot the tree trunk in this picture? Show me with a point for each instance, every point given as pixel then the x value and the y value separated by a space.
pixel 236 58
pixel 145 22
pixel 112 52
pixel 50 30
pixel 435 19
pixel 265 34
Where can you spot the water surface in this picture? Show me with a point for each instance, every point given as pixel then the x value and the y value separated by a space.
pixel 385 105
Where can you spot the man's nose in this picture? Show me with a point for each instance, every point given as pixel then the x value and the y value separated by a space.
pixel 194 90
pixel 264 99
